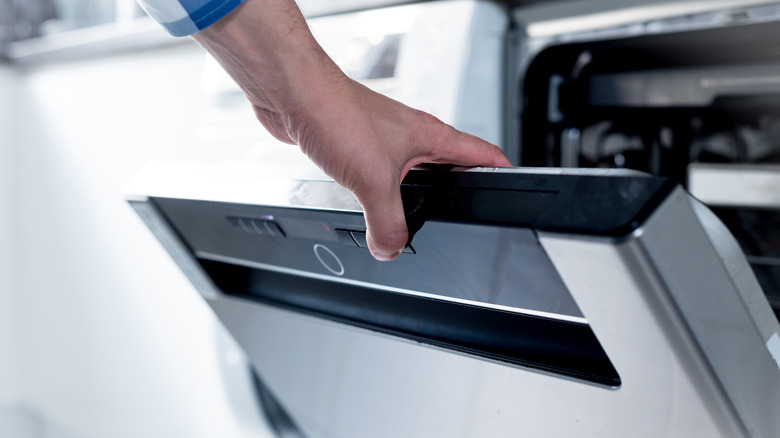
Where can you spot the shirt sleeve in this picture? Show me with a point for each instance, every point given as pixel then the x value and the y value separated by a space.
pixel 185 17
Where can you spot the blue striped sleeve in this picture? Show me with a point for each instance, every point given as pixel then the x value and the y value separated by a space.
pixel 185 17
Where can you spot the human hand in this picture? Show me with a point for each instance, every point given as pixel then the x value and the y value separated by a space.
pixel 368 142
pixel 365 141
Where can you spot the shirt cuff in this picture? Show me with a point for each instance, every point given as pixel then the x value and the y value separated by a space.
pixel 186 17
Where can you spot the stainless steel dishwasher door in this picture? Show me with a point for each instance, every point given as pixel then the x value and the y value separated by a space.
pixel 541 302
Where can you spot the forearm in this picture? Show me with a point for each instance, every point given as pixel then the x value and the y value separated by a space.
pixel 267 48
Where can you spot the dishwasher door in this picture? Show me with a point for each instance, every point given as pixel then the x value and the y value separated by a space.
pixel 530 302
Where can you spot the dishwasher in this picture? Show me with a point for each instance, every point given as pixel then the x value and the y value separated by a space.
pixel 598 290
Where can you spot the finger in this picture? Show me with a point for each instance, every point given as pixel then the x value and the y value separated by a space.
pixel 466 150
pixel 386 232
pixel 455 147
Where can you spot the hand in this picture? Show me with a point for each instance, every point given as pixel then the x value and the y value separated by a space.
pixel 365 141
pixel 368 142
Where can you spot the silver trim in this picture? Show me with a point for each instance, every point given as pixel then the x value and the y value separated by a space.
pixel 773 345
pixel 554 171
pixel 351 282
pixel 151 217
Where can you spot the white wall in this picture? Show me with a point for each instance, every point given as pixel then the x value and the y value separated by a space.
pixel 9 327
pixel 113 340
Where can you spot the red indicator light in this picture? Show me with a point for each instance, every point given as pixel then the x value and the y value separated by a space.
pixel 326 227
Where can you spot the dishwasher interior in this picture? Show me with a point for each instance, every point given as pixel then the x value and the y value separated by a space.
pixel 673 96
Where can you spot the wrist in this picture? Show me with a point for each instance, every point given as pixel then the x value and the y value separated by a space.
pixel 267 48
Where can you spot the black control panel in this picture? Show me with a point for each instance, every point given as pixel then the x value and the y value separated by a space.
pixel 474 277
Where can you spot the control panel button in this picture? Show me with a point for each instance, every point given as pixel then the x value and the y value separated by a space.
pixel 274 229
pixel 259 227
pixel 235 222
pixel 328 259
pixel 246 225
pixel 360 239
pixel 345 237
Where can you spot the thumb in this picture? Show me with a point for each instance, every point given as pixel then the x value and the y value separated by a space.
pixel 386 232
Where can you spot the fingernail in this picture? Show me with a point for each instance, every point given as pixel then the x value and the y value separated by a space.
pixel 386 256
